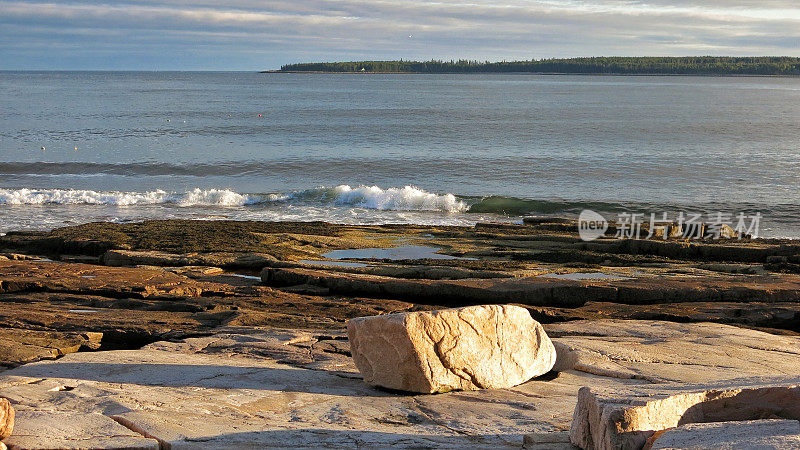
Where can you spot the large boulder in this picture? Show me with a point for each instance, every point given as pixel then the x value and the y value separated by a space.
pixel 477 347
pixel 6 418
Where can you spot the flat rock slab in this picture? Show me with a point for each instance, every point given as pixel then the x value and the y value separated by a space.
pixel 774 315
pixel 755 434
pixel 46 308
pixel 118 258
pixel 277 388
pixel 557 440
pixel 662 352
pixel 257 388
pixel 38 276
pixel 549 291
pixel 477 347
pixel 23 346
pixel 42 430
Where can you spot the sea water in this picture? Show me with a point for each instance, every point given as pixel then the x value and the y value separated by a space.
pixel 429 149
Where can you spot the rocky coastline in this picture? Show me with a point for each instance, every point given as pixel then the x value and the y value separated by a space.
pixel 180 333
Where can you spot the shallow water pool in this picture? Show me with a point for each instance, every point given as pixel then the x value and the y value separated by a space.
pixel 396 253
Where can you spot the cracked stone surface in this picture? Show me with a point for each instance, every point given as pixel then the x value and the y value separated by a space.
pixel 476 347
pixel 255 388
pixel 44 430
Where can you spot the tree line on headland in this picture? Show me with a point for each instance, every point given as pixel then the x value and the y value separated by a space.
pixel 702 65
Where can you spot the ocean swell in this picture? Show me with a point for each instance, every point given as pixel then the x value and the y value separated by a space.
pixel 513 206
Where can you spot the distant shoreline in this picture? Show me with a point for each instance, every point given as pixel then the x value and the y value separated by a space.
pixel 598 74
pixel 783 66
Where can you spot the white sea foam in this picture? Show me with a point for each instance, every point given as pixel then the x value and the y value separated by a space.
pixel 196 197
pixel 217 197
pixel 408 198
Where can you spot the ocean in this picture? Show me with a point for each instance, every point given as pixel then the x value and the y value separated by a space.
pixel 77 147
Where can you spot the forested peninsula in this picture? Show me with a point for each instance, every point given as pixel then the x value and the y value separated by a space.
pixel 703 65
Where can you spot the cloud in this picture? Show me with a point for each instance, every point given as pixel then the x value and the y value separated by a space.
pixel 247 34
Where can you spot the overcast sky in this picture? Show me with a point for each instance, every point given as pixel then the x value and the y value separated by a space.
pixel 249 34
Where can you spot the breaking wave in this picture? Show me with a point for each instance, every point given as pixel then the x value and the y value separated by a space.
pixel 401 199
pixel 196 197
pixel 407 198
pixel 361 204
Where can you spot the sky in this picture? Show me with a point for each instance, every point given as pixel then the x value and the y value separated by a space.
pixel 256 35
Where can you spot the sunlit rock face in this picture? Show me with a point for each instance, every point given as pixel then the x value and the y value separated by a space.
pixel 477 347
pixel 6 418
pixel 628 420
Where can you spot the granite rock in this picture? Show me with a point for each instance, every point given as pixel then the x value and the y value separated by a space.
pixel 247 387
pixel 476 347
pixel 619 421
pixel 750 434
pixel 664 352
pixel 6 418
pixel 40 430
